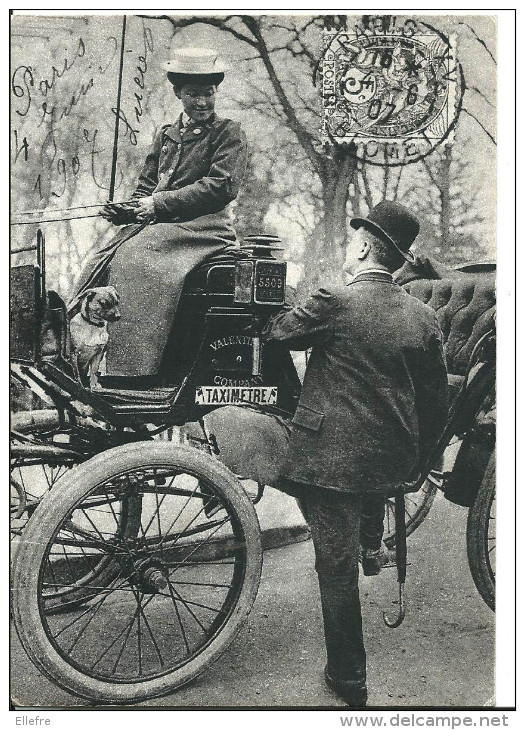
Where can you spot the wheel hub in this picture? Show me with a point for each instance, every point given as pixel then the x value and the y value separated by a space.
pixel 148 574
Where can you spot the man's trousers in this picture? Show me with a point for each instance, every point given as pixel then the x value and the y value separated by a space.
pixel 334 519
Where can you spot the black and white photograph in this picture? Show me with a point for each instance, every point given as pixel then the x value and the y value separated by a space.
pixel 253 260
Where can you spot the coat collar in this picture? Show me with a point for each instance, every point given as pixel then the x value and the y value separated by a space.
pixel 383 276
pixel 193 131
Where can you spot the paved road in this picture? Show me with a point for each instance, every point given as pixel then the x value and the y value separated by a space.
pixel 441 656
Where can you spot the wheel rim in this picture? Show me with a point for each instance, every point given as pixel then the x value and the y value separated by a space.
pixel 417 505
pixel 490 542
pixel 175 582
pixel 30 480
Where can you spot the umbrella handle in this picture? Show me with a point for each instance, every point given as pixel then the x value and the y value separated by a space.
pixel 398 620
pixel 401 560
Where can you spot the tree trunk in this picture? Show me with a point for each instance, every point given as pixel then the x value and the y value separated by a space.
pixel 324 254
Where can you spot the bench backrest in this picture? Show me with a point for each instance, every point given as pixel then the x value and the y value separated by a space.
pixel 465 308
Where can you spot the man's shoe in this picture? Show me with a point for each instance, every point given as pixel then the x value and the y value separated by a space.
pixel 372 561
pixel 352 692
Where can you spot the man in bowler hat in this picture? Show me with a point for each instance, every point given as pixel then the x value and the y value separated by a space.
pixel 373 404
pixel 178 216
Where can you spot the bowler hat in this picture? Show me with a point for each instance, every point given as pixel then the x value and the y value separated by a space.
pixel 197 65
pixel 391 222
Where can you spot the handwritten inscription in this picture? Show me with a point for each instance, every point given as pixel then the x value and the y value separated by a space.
pixel 58 138
pixel 142 68
pixel 128 130
pixel 24 84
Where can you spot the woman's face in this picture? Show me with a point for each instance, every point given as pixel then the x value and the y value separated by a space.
pixel 198 101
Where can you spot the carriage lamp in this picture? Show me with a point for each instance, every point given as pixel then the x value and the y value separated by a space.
pixel 260 279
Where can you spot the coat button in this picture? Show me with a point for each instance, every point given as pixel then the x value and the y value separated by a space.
pixel 197 131
pixel 165 148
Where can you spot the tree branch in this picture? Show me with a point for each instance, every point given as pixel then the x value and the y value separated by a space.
pixel 397 183
pixel 428 168
pixel 480 40
pixel 474 117
pixel 478 91
pixel 368 192
pixel 209 20
pixel 304 50
pixel 386 176
pixel 303 136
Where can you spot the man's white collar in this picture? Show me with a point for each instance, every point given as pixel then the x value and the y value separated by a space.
pixel 372 271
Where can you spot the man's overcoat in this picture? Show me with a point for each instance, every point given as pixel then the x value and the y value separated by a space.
pixel 374 398
pixel 192 175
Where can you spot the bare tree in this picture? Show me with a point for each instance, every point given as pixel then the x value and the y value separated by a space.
pixel 453 201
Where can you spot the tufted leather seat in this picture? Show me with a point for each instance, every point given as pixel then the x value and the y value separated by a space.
pixel 465 307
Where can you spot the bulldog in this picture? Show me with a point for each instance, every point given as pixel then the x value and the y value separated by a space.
pixel 89 332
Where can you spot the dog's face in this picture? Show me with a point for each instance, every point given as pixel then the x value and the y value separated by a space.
pixel 101 304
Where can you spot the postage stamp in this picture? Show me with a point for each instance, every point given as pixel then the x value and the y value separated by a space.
pixel 393 88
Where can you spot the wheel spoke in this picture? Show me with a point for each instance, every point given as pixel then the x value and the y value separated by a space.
pixel 171 590
pixel 159 504
pixel 168 531
pixel 179 598
pixel 204 542
pixel 185 564
pixel 146 622
pixel 194 583
pixel 187 602
pixel 92 586
pixel 95 606
pixel 119 635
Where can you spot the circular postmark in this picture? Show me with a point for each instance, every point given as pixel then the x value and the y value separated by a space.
pixel 391 89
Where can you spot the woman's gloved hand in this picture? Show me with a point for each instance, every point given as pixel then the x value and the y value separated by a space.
pixel 145 209
pixel 120 214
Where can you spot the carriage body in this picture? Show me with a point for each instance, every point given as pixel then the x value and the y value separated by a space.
pixel 214 354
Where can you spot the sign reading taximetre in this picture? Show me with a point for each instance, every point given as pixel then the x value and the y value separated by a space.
pixel 228 395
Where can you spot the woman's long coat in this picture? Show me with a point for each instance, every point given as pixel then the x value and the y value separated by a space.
pixel 192 177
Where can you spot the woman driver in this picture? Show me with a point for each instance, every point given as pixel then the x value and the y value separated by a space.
pixel 193 170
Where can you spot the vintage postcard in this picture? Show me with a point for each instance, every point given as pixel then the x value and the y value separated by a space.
pixel 253 359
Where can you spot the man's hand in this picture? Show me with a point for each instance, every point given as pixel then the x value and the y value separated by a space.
pixel 145 209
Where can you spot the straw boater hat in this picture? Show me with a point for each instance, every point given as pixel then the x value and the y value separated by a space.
pixel 393 223
pixel 196 66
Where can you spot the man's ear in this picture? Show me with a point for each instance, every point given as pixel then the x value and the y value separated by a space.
pixel 364 249
pixel 88 294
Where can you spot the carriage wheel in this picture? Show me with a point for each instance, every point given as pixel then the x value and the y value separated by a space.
pixel 417 507
pixel 32 477
pixel 184 586
pixel 481 536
